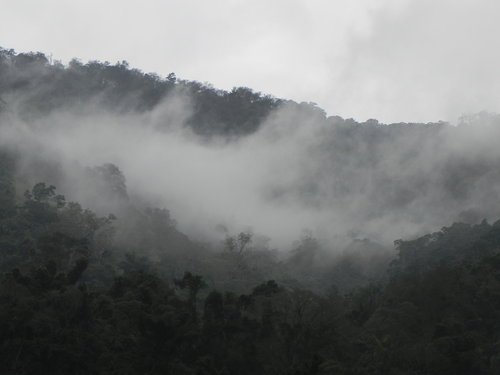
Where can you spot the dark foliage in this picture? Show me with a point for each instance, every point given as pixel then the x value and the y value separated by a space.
pixel 438 313
pixel 38 86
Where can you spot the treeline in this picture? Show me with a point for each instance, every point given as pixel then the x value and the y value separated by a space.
pixel 33 84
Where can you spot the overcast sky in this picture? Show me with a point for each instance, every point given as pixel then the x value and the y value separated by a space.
pixel 394 60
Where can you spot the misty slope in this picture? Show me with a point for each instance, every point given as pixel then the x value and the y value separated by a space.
pixel 111 138
pixel 160 256
pixel 242 160
pixel 119 141
pixel 141 238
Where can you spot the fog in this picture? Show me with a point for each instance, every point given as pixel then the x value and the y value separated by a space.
pixel 249 187
pixel 338 179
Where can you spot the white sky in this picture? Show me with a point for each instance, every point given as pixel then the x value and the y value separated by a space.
pixel 394 60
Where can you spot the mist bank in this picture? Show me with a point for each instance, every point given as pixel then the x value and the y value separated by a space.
pixel 336 178
pixel 224 162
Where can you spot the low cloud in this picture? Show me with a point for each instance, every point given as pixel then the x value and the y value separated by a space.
pixel 299 171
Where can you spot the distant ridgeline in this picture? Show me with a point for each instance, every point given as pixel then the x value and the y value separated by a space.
pixel 36 85
pixel 43 86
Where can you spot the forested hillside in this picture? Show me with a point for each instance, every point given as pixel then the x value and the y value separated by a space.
pixel 73 301
pixel 98 277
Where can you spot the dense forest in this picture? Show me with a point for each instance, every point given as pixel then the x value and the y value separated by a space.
pixel 98 277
